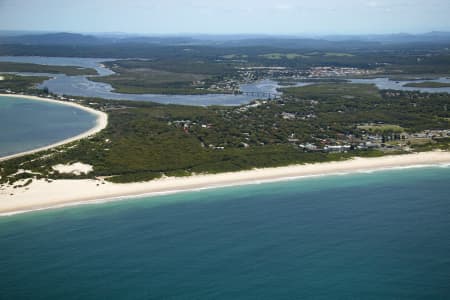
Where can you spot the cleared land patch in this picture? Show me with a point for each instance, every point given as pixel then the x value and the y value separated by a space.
pixel 428 84
pixel 277 56
pixel 36 68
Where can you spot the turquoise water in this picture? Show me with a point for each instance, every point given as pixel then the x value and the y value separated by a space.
pixel 27 124
pixel 383 235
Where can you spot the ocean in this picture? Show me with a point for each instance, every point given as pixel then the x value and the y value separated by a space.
pixel 379 235
pixel 28 124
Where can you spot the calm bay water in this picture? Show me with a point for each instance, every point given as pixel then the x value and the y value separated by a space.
pixel 383 235
pixel 28 124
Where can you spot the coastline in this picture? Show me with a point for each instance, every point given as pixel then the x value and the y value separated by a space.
pixel 41 195
pixel 101 123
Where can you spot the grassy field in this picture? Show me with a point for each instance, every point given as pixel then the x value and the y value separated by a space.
pixel 428 84
pixel 36 68
pixel 174 77
pixel 144 80
pixel 278 56
pixel 335 90
pixel 235 56
pixel 382 128
pixel 338 54
pixel 18 83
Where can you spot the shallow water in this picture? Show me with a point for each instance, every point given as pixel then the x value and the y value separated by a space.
pixel 382 235
pixel 28 124
pixel 386 83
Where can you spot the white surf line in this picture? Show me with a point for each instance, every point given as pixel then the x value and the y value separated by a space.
pixel 137 196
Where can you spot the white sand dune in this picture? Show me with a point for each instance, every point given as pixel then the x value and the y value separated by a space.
pixel 41 194
pixel 77 168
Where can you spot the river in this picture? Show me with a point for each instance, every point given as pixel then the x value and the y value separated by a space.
pixel 82 86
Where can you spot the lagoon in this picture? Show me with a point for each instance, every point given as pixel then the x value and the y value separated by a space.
pixel 29 124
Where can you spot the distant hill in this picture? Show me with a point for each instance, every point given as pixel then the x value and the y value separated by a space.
pixel 330 41
pixel 64 38
pixel 399 38
pixel 140 46
pixel 61 38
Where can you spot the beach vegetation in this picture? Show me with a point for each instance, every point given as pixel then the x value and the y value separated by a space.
pixel 428 84
pixel 17 83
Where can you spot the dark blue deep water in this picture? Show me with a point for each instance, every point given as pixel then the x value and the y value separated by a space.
pixel 383 235
pixel 28 124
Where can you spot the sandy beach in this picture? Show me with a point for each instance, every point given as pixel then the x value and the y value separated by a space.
pixel 102 122
pixel 42 195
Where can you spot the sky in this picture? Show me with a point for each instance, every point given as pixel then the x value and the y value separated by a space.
pixel 298 17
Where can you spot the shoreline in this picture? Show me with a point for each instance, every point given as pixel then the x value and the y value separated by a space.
pixel 40 195
pixel 101 123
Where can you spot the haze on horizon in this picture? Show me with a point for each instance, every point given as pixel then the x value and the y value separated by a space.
pixel 227 17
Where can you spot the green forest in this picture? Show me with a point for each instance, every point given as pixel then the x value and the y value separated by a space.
pixel 144 141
